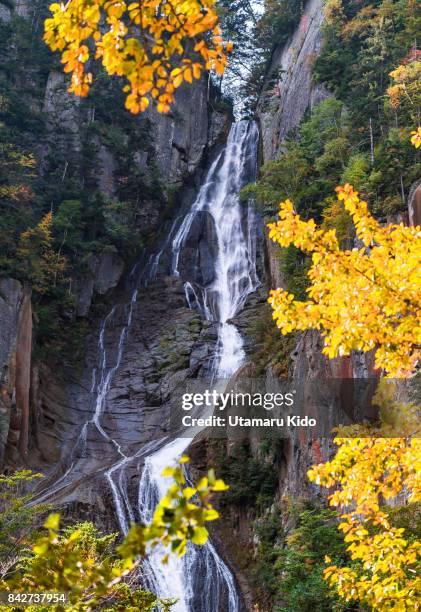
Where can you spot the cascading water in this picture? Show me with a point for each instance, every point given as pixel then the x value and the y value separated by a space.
pixel 201 581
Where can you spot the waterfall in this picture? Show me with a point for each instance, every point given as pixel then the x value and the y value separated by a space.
pixel 201 581
pixel 235 266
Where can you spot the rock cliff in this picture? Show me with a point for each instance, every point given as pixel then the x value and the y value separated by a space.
pixel 289 90
pixel 15 369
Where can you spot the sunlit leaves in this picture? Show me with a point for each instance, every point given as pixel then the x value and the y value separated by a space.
pixel 148 42
pixel 416 138
pixel 181 514
pixel 364 298
pixel 95 574
pixel 406 91
pixel 43 263
pixel 383 465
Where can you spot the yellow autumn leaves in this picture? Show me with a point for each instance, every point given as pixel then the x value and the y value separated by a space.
pixel 363 298
pixel 406 91
pixel 366 298
pixel 416 138
pixel 367 471
pixel 155 44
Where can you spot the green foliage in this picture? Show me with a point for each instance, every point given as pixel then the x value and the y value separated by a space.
pixel 280 179
pixel 310 166
pixel 301 562
pixel 279 20
pixel 86 565
pixel 19 521
pixel 82 563
pixel 290 564
pixel 270 350
pixel 16 178
pixel 252 482
pixel 363 43
pixel 407 517
pixel 357 169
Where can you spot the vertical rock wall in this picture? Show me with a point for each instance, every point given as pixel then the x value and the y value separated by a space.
pixel 289 90
pixel 15 369
pixel 178 146
pixel 289 93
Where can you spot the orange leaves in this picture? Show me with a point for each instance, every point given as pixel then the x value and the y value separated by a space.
pixel 143 41
pixel 360 299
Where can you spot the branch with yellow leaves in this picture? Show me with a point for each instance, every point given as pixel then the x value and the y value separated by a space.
pixel 153 62
pixel 360 299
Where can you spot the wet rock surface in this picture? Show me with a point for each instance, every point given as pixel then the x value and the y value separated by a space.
pixel 167 343
pixel 198 257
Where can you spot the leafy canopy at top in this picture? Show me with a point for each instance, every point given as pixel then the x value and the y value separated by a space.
pixel 155 44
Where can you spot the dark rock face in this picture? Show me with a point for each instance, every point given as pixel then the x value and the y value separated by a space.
pixel 20 7
pixel 15 368
pixel 200 250
pixel 104 273
pixel 11 294
pixel 167 344
pixel 180 138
